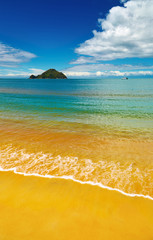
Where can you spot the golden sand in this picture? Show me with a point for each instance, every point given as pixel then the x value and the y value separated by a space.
pixel 38 208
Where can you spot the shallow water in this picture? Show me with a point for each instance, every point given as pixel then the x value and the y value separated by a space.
pixel 92 130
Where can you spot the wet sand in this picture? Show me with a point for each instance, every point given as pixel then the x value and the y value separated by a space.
pixel 41 208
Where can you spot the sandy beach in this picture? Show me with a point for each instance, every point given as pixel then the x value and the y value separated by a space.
pixel 38 208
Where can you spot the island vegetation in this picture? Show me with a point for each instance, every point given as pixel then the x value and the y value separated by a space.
pixel 50 74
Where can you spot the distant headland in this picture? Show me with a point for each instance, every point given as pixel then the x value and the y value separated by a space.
pixel 50 74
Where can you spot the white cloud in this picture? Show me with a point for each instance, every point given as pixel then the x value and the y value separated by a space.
pixel 82 60
pixel 10 56
pixel 108 73
pixel 36 71
pixel 126 32
pixel 77 74
pixel 20 73
pixel 106 67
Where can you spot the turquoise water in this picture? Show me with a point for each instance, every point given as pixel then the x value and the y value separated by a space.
pixel 103 103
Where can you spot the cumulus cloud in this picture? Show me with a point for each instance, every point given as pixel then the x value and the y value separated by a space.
pixel 10 56
pixel 126 32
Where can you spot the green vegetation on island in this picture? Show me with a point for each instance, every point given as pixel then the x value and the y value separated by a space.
pixel 49 74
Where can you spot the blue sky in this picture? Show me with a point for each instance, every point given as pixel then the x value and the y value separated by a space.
pixel 93 38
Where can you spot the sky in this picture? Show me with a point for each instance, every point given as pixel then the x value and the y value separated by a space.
pixel 82 38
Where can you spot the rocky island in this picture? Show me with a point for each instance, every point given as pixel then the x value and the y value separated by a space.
pixel 50 74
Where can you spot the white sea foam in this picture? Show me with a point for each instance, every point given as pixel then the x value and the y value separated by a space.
pixel 78 181
pixel 105 174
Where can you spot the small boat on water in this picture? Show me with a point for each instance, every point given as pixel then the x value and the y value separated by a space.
pixel 124 78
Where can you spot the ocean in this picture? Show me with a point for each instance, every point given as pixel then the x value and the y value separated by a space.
pixel 76 159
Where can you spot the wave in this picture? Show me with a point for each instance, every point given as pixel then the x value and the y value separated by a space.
pixel 78 181
pixel 126 179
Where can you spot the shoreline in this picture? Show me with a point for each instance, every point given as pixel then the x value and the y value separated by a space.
pixel 77 181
